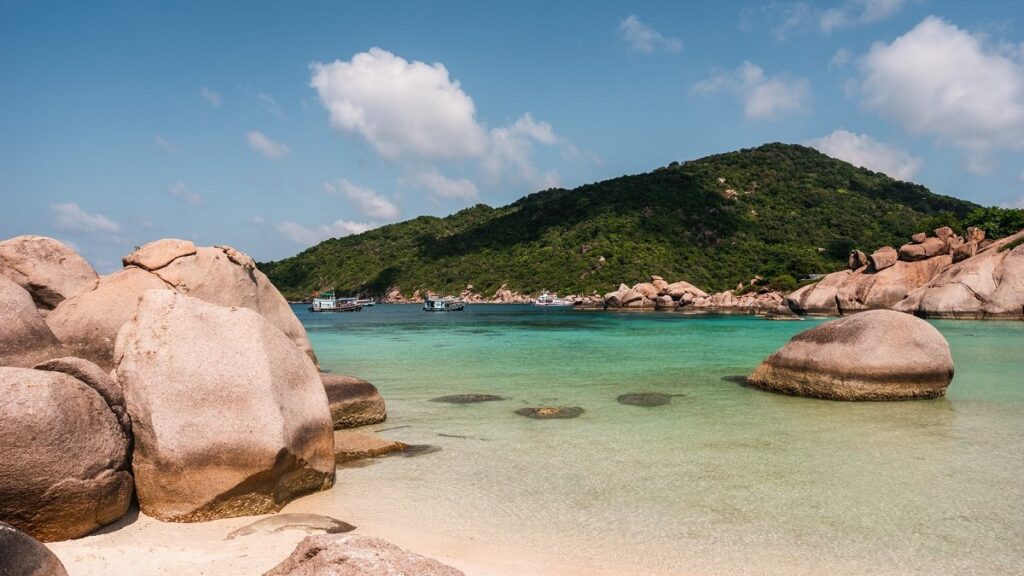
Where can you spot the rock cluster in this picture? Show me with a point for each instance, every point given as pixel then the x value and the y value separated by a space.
pixel 184 378
pixel 874 355
pixel 966 277
pixel 656 294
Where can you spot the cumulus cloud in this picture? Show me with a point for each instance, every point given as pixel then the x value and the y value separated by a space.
pixel 308 236
pixel 180 190
pixel 413 111
pixel 443 187
pixel 763 97
pixel 863 150
pixel 210 96
pixel 643 38
pixel 264 145
pixel 400 107
pixel 366 200
pixel 940 80
pixel 69 217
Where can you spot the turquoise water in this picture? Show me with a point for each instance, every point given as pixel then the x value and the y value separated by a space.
pixel 725 479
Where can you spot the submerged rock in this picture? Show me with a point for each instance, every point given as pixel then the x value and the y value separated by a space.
pixel 875 355
pixel 63 457
pixel 354 555
pixel 645 399
pixel 309 523
pixel 230 417
pixel 353 401
pixel 23 555
pixel 350 445
pixel 467 398
pixel 550 412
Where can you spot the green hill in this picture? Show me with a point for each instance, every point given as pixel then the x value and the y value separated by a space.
pixel 781 211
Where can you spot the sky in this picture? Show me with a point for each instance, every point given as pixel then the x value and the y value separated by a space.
pixel 271 126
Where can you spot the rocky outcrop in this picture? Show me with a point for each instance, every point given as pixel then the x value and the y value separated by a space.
pixel 987 285
pixel 88 323
pixel 354 555
pixel 23 555
pixel 25 338
pixel 50 271
pixel 864 290
pixel 820 297
pixel 875 355
pixel 654 294
pixel 353 401
pixel 64 454
pixel 930 247
pixel 758 302
pixel 230 418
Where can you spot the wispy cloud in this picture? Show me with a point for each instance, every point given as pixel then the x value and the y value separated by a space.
pixel 69 217
pixel 783 18
pixel 180 190
pixel 210 96
pixel 165 145
pixel 366 200
pixel 265 145
pixel 270 105
pixel 863 150
pixel 764 97
pixel 643 38
pixel 306 236
pixel 443 187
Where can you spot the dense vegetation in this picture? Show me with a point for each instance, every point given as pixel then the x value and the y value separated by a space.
pixel 779 211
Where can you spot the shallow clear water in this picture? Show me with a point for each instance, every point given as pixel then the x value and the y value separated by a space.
pixel 725 479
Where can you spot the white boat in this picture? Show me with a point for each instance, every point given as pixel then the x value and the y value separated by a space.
pixel 447 304
pixel 328 302
pixel 546 299
pixel 366 301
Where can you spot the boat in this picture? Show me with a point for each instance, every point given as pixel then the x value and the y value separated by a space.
pixel 366 301
pixel 328 302
pixel 447 304
pixel 546 299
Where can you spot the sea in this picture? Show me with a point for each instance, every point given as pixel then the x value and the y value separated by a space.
pixel 724 479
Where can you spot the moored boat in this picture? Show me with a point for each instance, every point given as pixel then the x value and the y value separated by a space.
pixel 328 302
pixel 447 304
pixel 547 299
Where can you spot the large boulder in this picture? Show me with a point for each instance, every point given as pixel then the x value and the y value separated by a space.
pixel 25 338
pixel 863 290
pixel 820 297
pixel 875 355
pixel 23 555
pixel 856 260
pixel 50 271
pixel 987 285
pixel 355 555
pixel 230 417
pixel 677 290
pixel 647 289
pixel 64 454
pixel 882 258
pixel 88 323
pixel 94 377
pixel 353 401
pixel 227 277
pixel 159 253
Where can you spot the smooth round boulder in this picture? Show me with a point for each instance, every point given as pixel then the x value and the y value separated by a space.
pixel 94 377
pixel 353 401
pixel 874 355
pixel 23 555
pixel 159 253
pixel 49 270
pixel 230 417
pixel 25 338
pixel 355 555
pixel 64 454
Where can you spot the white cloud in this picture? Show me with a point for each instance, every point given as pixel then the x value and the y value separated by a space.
pixel 165 145
pixel 210 96
pixel 411 111
pixel 443 187
pixel 180 190
pixel 763 97
pixel 69 217
pixel 308 236
pixel 366 200
pixel 858 12
pixel 643 38
pixel 264 145
pixel 400 107
pixel 943 81
pixel 863 150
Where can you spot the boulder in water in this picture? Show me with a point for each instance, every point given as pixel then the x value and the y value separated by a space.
pixel 467 398
pixel 550 412
pixel 353 401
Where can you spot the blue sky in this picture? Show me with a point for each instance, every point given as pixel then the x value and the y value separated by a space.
pixel 270 126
